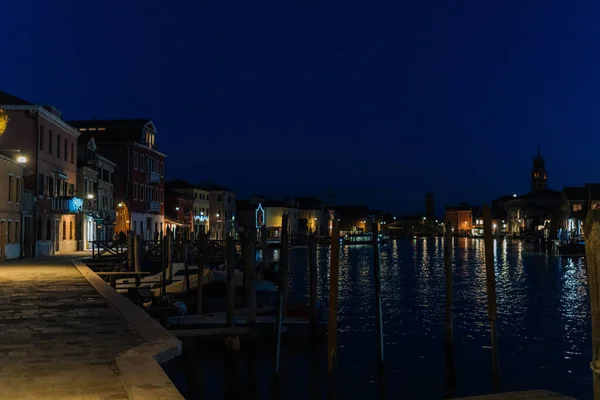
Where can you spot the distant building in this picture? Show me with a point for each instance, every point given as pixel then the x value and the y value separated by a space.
pixel 274 210
pixel 529 213
pixel 201 206
pixel 539 176
pixel 222 211
pixel 50 174
pixel 139 171
pixel 429 206
pixel 354 219
pixel 179 216
pixel 95 175
pixel 574 208
pixel 11 200
pixel 460 219
pixel 316 215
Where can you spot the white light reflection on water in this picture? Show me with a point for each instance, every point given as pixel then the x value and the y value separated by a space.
pixel 543 316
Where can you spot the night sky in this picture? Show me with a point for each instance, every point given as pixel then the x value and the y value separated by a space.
pixel 379 103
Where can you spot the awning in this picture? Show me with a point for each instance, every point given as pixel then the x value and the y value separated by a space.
pixel 61 174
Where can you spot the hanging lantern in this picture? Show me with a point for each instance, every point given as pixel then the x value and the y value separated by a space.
pixel 3 121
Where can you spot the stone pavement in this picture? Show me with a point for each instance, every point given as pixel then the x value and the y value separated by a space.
pixel 58 336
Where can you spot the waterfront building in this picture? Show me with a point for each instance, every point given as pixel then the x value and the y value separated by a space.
pixel 222 211
pixel 593 190
pixel 201 206
pixel 315 214
pixel 11 201
pixel 532 212
pixel 50 174
pixel 354 219
pixel 179 217
pixel 539 175
pixel 274 210
pixel 573 211
pixel 460 218
pixel 139 171
pixel 95 176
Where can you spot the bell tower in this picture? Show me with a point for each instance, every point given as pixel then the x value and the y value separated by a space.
pixel 539 176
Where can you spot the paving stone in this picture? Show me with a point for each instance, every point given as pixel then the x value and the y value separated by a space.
pixel 59 336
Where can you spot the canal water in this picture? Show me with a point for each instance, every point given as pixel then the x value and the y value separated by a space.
pixel 543 318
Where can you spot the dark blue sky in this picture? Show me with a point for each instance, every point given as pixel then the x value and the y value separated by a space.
pixel 382 103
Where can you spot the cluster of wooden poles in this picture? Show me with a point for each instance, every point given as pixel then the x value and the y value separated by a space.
pixel 248 246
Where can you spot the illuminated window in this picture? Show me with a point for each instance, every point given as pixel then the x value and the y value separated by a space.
pixel 101 129
pixel 577 207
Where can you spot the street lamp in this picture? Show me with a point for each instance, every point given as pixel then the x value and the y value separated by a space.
pixel 91 196
pixel 120 205
pixel 21 159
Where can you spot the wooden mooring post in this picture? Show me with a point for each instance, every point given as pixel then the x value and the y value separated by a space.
pixel 282 289
pixel 449 341
pixel 378 311
pixel 265 250
pixel 163 267
pixel 186 259
pixel 202 258
pixel 491 293
pixel 314 295
pixel 592 259
pixel 332 323
pixel 230 279
pixel 169 244
pixel 130 249
pixel 137 252
pixel 250 276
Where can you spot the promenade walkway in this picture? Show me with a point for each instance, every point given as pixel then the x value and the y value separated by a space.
pixel 58 335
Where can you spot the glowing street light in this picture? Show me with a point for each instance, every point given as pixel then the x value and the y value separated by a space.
pixel 21 159
pixel 176 208
pixel 120 205
pixel 90 196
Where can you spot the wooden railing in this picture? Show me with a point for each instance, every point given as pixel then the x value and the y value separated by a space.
pixel 103 248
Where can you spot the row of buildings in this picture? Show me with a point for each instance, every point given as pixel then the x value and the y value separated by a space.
pixel 543 212
pixel 65 184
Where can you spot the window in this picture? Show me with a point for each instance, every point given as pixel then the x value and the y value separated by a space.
pixel 10 187
pixel 9 231
pixel 135 191
pixel 229 199
pixel 70 230
pixel 16 232
pixel 105 175
pixel 50 141
pixel 41 185
pixel 195 195
pixel 142 192
pixel 156 194
pixel 162 168
pixel 112 177
pixel 162 196
pixel 41 137
pixel 64 235
pixel 72 153
pixel 577 207
pixel 219 198
pixel 18 190
pixel 72 189
pixel 58 146
pixel 135 160
pixel 85 187
pixel 66 149
pixel 142 161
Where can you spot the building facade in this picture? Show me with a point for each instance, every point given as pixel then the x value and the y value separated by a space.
pixel 50 173
pixel 138 174
pixel 201 206
pixel 222 206
pixel 95 177
pixel 11 200
pixel 274 210
pixel 459 219
pixel 179 217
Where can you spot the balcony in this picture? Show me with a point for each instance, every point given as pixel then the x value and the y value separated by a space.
pixel 152 177
pixel 153 206
pixel 67 205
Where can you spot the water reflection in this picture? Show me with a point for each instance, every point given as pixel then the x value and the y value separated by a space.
pixel 543 315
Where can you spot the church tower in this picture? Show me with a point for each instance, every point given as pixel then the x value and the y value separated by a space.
pixel 538 174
